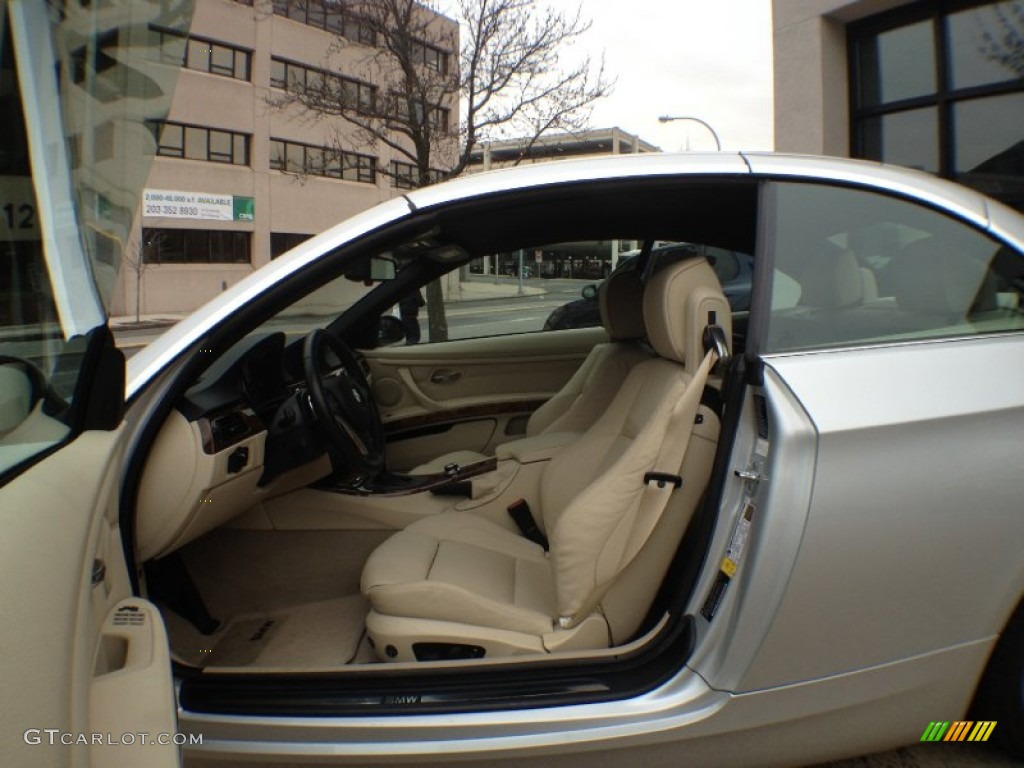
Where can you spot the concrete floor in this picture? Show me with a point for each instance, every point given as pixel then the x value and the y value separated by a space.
pixel 937 755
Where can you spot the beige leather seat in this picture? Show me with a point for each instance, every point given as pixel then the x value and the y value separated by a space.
pixel 585 396
pixel 463 584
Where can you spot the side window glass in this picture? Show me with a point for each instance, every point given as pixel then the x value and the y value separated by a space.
pixel 548 288
pixel 734 269
pixel 855 267
pixel 544 288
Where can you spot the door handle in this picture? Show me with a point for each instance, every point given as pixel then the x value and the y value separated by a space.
pixel 445 376
pixel 99 571
pixel 418 394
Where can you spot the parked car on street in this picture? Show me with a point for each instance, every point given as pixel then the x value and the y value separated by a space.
pixel 735 272
pixel 779 535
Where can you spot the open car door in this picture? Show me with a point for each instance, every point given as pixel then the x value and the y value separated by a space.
pixel 84 663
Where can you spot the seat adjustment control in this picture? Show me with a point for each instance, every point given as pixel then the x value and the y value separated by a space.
pixel 238 460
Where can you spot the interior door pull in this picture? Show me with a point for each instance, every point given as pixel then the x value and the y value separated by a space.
pixel 445 376
pixel 99 571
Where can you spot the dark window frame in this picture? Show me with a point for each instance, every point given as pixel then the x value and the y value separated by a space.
pixel 282 242
pixel 945 98
pixel 438 115
pixel 238 155
pixel 294 71
pixel 430 56
pixel 241 58
pixel 329 17
pixel 193 243
pixel 404 175
pixel 333 164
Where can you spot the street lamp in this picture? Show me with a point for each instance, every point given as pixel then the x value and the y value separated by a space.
pixel 670 118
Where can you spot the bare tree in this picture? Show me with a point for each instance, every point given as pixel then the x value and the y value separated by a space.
pixel 1006 46
pixel 510 80
pixel 137 256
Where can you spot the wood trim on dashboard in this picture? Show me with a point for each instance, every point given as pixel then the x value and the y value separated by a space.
pixel 250 425
pixel 407 485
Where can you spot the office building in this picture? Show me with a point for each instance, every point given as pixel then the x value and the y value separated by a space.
pixel 934 84
pixel 238 178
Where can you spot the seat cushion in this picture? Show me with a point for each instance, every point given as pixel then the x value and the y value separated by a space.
pixel 459 567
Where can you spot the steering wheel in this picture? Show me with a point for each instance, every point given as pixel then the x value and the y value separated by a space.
pixel 343 405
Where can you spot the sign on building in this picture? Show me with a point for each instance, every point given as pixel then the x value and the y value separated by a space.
pixel 199 206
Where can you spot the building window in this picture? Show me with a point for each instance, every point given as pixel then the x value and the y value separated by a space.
pixel 405 175
pixel 430 56
pixel 195 246
pixel 280 242
pixel 202 54
pixel 940 87
pixel 437 116
pixel 328 16
pixel 294 157
pixel 291 76
pixel 195 142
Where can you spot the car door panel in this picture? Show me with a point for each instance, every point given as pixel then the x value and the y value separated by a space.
pixel 470 394
pixel 893 483
pixel 131 689
pixel 65 578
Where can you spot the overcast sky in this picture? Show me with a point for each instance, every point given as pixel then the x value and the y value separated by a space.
pixel 708 59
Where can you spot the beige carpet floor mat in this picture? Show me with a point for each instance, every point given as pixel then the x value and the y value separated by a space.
pixel 323 635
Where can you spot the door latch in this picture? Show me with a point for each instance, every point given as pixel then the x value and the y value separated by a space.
pixel 752 474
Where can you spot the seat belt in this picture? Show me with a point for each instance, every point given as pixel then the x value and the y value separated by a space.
pixel 671 456
pixel 661 481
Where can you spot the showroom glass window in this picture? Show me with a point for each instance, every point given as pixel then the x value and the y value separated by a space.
pixel 939 86
pixel 74 158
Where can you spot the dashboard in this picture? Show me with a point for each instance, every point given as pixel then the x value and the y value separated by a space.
pixel 226 445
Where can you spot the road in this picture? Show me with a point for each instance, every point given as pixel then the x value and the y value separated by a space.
pixel 510 313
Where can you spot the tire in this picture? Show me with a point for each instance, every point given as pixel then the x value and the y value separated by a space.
pixel 1000 695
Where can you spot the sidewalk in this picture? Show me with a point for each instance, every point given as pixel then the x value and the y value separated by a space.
pixel 146 322
pixel 474 290
pixel 470 290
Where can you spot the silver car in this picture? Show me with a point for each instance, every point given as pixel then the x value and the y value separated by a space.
pixel 691 536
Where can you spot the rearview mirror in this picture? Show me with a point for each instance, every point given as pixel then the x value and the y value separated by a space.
pixel 589 291
pixel 372 269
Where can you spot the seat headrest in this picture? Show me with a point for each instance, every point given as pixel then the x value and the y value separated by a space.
pixel 620 301
pixel 831 280
pixel 680 301
pixel 933 277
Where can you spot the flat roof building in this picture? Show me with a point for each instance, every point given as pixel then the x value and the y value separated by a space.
pixel 238 176
pixel 596 142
